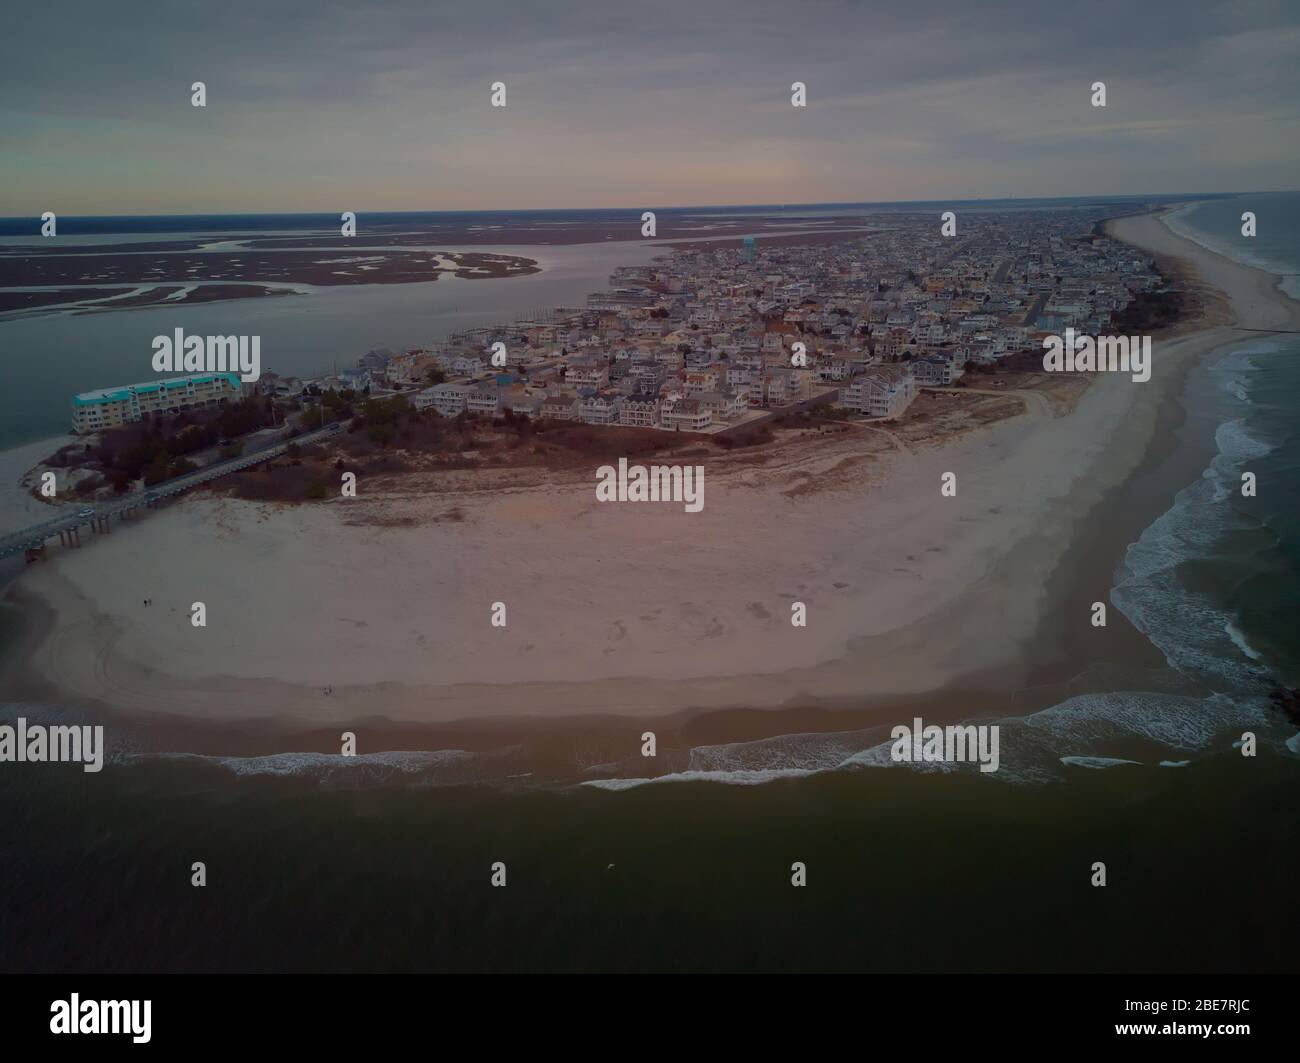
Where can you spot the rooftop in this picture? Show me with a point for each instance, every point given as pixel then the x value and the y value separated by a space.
pixel 125 391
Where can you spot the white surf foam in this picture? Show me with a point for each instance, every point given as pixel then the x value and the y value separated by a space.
pixel 405 761
pixel 323 765
pixel 1088 730
pixel 811 751
pixel 1096 762
pixel 1239 640
pixel 1238 445
pixel 1197 637
pixel 727 778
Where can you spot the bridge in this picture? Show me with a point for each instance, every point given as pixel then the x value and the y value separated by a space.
pixel 68 527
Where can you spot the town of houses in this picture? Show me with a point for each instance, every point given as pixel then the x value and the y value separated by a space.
pixel 704 340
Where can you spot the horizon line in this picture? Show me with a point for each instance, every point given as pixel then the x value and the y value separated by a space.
pixel 1188 196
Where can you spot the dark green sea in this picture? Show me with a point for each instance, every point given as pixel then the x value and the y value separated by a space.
pixel 906 872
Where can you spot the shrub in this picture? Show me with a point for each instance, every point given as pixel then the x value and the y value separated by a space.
pixel 156 471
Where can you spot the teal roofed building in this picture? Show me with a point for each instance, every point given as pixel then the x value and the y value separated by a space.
pixel 93 411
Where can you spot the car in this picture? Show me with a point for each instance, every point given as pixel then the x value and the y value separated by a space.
pixel 87 513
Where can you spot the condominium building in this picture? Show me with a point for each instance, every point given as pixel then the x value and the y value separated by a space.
pixel 881 391
pixel 93 411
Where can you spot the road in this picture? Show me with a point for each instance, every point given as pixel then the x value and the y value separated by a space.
pixel 1036 308
pixel 71 523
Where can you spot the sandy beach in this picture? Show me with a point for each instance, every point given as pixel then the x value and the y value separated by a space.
pixel 18 508
pixel 633 608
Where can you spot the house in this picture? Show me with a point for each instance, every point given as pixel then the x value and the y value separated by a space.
pixel 447 400
pixel 485 399
pixel 686 415
pixel 780 387
pixel 521 401
pixel 286 387
pixel 932 372
pixel 600 408
pixel 724 405
pixel 560 408
pixel 670 358
pixel 376 361
pixel 646 376
pixel 742 376
pixel 702 380
pixel 587 376
pixel 833 369
pixel 356 379
pixel 640 411
pixel 881 391
pixel 411 367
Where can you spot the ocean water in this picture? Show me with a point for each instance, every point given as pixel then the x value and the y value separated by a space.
pixel 907 871
pixel 1217 224
pixel 384 864
pixel 1215 581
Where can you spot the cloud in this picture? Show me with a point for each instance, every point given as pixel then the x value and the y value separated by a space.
pixel 387 106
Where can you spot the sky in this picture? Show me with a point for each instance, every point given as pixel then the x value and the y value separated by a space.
pixel 334 106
